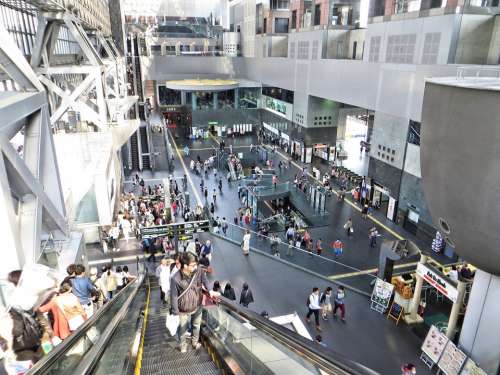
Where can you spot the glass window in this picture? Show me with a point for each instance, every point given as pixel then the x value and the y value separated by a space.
pixel 281 25
pixel 317 14
pixel 294 20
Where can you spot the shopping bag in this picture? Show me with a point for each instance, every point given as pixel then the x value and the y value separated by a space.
pixel 352 230
pixel 172 323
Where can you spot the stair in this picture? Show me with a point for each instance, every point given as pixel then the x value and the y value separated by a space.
pixel 161 354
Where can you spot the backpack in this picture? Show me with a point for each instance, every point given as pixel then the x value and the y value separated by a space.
pixel 30 334
pixel 307 301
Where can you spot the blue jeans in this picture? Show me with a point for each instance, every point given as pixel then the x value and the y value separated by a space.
pixel 195 319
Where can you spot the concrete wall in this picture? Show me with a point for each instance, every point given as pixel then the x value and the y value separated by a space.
pixel 395 89
pixel 386 175
pixel 494 50
pixel 474 39
pixel 446 26
pixel 389 139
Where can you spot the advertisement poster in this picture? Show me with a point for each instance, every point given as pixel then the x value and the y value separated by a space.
pixel 434 344
pixel 391 208
pixel 382 292
pixel 452 359
pixel 471 368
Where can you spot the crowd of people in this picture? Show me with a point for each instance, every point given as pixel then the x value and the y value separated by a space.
pixel 185 289
pixel 44 309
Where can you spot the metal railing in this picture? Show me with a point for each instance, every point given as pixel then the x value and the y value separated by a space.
pixel 464 72
pixel 245 335
pixel 77 353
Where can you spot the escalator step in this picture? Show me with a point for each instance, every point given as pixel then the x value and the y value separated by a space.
pixel 177 362
pixel 195 369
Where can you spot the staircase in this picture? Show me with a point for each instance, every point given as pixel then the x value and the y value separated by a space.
pixel 161 354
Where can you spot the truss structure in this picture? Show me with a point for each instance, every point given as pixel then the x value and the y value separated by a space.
pixel 88 85
pixel 31 198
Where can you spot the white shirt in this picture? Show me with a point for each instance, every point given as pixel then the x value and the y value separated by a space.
pixel 246 240
pixel 453 275
pixel 165 279
pixel 314 301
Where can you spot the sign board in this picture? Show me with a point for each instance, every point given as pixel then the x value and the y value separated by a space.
pixel 270 128
pixel 381 295
pixel 391 208
pixel 452 360
pixel 395 312
pixel 437 281
pixel 471 368
pixel 171 230
pixel 278 107
pixel 434 344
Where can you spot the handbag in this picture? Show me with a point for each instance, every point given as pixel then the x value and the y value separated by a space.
pixel 75 322
pixel 352 230
pixel 172 321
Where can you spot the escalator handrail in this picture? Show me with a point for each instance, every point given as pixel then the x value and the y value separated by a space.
pixel 42 366
pixel 324 358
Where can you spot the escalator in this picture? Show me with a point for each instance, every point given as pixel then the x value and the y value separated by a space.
pixel 128 336
pixel 160 353
pixel 146 162
pixel 134 150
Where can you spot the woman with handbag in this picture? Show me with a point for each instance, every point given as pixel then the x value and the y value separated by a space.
pixel 70 307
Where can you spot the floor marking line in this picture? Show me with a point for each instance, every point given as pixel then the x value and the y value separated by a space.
pixel 353 205
pixel 195 191
pixel 371 270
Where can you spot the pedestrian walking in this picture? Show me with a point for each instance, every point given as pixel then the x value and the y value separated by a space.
pixel 339 303
pixel 348 227
pixel 408 369
pixel 220 185
pixel 325 301
pixel 319 246
pixel 245 243
pixel 274 245
pixel 205 193
pixel 224 226
pixel 229 292
pixel 364 210
pixel 372 236
pixel 246 296
pixel 338 248
pixel 275 180
pixel 314 307
pixel 214 196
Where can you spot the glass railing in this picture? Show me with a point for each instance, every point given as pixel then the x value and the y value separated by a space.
pixel 324 265
pixel 75 354
pixel 260 346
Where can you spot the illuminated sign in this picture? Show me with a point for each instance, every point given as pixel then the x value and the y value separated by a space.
pixel 438 282
pixel 180 229
pixel 278 107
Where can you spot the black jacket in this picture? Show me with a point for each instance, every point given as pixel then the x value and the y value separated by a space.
pixel 246 297
pixel 229 294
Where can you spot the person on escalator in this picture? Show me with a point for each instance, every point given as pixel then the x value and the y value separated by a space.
pixel 246 296
pixel 186 296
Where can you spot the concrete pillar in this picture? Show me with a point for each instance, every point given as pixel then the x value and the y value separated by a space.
pixel 480 336
pixel 216 97
pixel 413 317
pixel 236 98
pixel 455 310
pixel 193 101
pixel 183 98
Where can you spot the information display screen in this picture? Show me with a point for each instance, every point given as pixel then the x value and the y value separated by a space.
pixel 179 229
